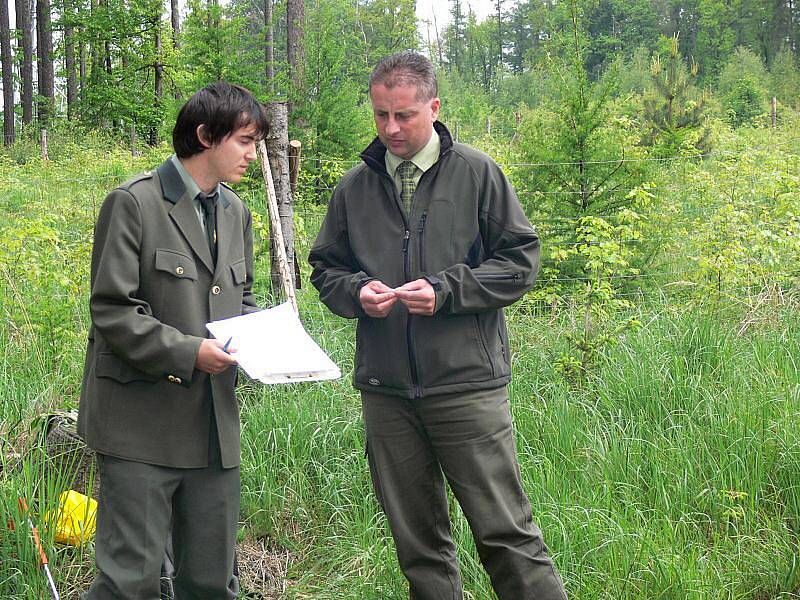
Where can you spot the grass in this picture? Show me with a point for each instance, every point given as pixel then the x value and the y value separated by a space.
pixel 671 472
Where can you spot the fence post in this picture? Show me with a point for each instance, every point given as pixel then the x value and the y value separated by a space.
pixel 276 238
pixel 295 150
pixel 43 144
pixel 276 146
pixel 774 112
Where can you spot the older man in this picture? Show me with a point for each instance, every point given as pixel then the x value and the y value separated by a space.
pixel 424 244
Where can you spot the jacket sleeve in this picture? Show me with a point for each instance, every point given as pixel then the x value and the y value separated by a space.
pixel 125 321
pixel 336 273
pixel 503 260
pixel 248 299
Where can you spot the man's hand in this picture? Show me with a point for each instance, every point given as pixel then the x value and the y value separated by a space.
pixel 377 299
pixel 212 359
pixel 418 296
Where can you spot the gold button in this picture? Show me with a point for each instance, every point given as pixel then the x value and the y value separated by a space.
pixel 178 380
pixel 216 290
pixel 171 377
pixel 179 270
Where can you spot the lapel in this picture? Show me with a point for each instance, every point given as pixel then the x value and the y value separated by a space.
pixel 183 213
pixel 225 225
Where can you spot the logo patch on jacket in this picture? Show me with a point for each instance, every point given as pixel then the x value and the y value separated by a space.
pixel 374 381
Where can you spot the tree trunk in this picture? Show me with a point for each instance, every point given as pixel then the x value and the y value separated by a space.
pixel 176 23
pixel 25 34
pixel 277 143
pixel 8 75
pixel 295 18
pixel 69 60
pixel 269 45
pixel 158 79
pixel 44 62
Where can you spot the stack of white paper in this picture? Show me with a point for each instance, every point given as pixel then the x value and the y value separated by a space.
pixel 273 347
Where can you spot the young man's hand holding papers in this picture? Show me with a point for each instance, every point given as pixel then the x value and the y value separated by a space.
pixel 273 347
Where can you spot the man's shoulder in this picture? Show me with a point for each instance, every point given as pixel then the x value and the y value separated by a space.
pixel 471 155
pixel 138 181
pixel 354 172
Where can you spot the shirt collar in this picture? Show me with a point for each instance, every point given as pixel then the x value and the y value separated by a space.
pixel 424 159
pixel 191 186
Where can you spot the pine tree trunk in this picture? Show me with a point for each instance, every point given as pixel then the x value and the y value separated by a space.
pixel 69 61
pixel 176 23
pixel 269 45
pixel 44 62
pixel 295 19
pixel 25 35
pixel 277 143
pixel 8 75
pixel 158 79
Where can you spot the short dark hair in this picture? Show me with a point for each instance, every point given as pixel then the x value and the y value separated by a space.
pixel 406 68
pixel 223 108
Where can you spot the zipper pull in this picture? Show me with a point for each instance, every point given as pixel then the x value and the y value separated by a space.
pixel 406 237
pixel 422 222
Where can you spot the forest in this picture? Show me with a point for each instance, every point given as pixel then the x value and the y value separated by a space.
pixel 656 395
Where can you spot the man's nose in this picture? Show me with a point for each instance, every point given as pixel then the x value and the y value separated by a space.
pixel 392 126
pixel 251 151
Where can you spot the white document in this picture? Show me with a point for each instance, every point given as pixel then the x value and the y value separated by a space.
pixel 273 347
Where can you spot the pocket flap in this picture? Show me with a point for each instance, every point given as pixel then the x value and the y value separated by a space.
pixel 110 365
pixel 176 263
pixel 239 271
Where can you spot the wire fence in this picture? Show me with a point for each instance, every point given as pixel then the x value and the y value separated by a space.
pixel 654 273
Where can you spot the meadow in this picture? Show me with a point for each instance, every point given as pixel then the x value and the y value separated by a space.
pixel 662 461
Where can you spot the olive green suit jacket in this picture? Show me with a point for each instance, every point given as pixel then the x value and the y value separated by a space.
pixel 153 289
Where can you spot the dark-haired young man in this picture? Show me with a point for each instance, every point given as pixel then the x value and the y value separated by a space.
pixel 424 244
pixel 172 251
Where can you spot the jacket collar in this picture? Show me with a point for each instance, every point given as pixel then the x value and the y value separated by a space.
pixel 184 215
pixel 173 188
pixel 374 155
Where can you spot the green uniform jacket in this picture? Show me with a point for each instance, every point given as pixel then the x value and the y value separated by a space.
pixel 467 234
pixel 153 289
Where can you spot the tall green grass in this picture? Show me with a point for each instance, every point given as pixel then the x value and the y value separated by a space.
pixel 672 471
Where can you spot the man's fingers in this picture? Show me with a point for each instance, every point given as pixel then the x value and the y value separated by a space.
pixel 379 298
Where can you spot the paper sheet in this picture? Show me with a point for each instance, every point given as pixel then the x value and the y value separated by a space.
pixel 273 347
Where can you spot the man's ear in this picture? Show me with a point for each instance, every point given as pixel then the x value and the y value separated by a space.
pixel 202 136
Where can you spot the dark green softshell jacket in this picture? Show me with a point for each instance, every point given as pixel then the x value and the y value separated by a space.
pixel 467 234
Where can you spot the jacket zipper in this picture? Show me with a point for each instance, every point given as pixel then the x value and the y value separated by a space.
pixel 412 356
pixel 421 240
pixel 497 276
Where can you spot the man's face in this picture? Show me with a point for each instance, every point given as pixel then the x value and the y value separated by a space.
pixel 404 123
pixel 228 160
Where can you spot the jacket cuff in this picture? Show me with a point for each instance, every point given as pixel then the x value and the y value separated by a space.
pixel 358 281
pixel 439 288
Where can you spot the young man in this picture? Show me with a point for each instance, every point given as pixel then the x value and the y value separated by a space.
pixel 424 244
pixel 172 251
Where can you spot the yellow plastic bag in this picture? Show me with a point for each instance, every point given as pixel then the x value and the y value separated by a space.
pixel 76 518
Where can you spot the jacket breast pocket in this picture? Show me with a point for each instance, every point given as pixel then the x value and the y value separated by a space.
pixel 175 263
pixel 239 271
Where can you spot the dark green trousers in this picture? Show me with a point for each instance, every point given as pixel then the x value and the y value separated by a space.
pixel 469 438
pixel 137 504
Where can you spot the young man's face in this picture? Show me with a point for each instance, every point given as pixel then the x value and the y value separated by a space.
pixel 228 160
pixel 404 123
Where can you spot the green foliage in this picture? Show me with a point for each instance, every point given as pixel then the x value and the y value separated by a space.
pixel 742 86
pixel 785 79
pixel 674 111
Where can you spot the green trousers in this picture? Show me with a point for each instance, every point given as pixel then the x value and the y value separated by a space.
pixel 138 503
pixel 412 446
